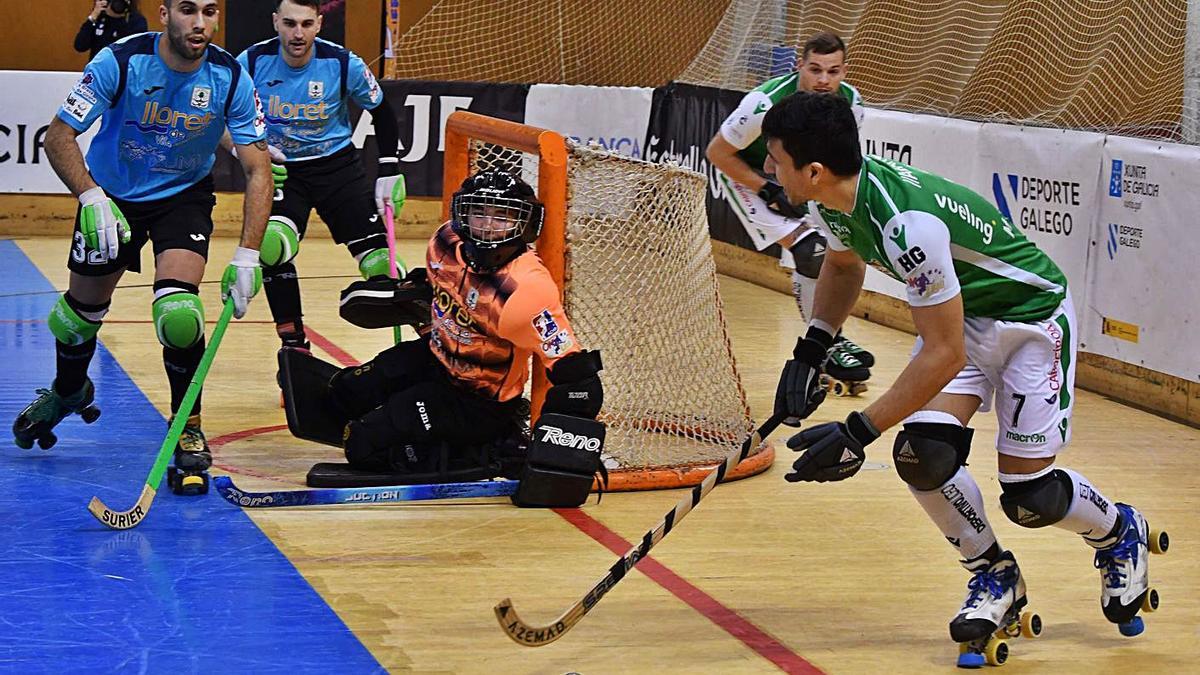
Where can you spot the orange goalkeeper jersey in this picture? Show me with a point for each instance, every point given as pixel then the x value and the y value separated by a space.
pixel 485 326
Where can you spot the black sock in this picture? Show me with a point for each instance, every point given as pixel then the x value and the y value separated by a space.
pixel 181 365
pixel 72 365
pixel 282 287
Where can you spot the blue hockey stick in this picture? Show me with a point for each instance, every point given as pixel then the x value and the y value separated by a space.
pixel 362 495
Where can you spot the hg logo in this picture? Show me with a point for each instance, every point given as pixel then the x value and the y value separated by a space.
pixel 1114 183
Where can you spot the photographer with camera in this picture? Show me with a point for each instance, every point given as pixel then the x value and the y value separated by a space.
pixel 109 21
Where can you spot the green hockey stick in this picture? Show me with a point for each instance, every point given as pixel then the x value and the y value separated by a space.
pixel 123 520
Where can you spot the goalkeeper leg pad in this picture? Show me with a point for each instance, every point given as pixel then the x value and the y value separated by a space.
pixel 311 415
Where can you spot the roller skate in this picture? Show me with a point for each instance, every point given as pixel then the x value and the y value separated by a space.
pixel 1124 571
pixel 844 374
pixel 991 615
pixel 38 419
pixel 189 475
pixel 847 345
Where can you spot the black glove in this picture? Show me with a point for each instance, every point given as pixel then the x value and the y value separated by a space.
pixel 800 391
pixel 772 193
pixel 834 451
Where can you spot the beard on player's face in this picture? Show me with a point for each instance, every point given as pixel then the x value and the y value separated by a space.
pixel 188 44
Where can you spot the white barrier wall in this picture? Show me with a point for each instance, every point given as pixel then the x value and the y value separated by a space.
pixel 613 117
pixel 1143 284
pixel 30 101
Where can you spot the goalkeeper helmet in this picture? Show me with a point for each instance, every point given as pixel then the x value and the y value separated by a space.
pixel 497 216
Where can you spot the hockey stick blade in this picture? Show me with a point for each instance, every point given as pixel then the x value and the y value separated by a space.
pixel 362 495
pixel 123 520
pixel 537 636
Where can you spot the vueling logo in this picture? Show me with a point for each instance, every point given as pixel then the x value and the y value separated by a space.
pixel 163 118
pixel 278 109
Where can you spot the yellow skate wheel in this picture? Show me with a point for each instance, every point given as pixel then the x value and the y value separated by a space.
pixel 964 647
pixel 1031 625
pixel 840 389
pixel 996 652
pixel 1150 601
pixel 1159 541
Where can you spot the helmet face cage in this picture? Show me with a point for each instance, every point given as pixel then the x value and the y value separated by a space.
pixel 491 219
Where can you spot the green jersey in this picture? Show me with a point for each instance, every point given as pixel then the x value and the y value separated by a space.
pixel 743 128
pixel 940 239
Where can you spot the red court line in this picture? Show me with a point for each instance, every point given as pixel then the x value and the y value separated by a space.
pixel 726 619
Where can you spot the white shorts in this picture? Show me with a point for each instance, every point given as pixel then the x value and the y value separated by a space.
pixel 1030 367
pixel 764 226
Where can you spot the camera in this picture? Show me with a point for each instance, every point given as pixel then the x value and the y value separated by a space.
pixel 118 6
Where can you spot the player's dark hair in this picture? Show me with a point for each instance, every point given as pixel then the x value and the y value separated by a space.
pixel 816 128
pixel 315 4
pixel 823 43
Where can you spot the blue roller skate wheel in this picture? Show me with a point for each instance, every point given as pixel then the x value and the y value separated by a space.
pixel 971 660
pixel 1132 627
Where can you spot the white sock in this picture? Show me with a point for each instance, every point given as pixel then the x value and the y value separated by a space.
pixel 1091 514
pixel 957 509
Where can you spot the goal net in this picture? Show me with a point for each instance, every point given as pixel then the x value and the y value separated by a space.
pixel 628 241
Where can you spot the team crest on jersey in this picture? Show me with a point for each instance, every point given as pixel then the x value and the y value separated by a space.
pixel 316 89
pixel 472 298
pixel 557 344
pixel 372 84
pixel 201 97
pixel 545 325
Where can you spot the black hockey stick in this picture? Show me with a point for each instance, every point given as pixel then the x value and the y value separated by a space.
pixel 537 636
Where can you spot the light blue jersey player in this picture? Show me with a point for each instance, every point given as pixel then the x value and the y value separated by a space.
pixel 163 101
pixel 307 85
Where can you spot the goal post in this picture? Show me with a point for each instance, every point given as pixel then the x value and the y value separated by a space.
pixel 627 243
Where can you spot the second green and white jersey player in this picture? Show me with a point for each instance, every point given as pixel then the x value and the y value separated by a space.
pixel 739 152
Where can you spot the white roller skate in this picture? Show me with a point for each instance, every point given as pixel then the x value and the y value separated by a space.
pixel 1125 573
pixel 992 613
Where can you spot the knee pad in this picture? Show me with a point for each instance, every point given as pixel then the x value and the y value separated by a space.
pixel 927 454
pixel 178 314
pixel 1039 502
pixel 280 243
pixel 72 322
pixel 809 253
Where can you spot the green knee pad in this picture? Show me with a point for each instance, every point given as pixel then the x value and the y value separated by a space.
pixel 68 327
pixel 374 263
pixel 280 243
pixel 179 320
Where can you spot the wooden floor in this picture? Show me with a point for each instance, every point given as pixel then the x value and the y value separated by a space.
pixel 848 577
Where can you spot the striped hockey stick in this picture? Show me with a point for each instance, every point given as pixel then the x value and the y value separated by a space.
pixel 538 636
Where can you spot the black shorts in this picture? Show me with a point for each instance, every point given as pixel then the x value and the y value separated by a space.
pixel 337 186
pixel 182 221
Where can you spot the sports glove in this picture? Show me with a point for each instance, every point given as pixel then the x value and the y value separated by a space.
pixel 833 451
pixel 103 225
pixel 800 392
pixel 242 280
pixel 772 193
pixel 389 187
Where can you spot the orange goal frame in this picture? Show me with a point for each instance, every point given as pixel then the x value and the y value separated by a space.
pixel 550 147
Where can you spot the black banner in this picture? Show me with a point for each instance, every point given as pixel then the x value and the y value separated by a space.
pixel 683 119
pixel 422 109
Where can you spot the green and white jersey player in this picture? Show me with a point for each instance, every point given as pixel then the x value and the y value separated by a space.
pixel 739 152
pixel 994 319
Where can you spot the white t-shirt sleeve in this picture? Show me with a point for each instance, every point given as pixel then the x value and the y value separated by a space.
pixel 918 246
pixel 744 124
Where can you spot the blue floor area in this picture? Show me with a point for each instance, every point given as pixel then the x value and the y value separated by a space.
pixel 196 586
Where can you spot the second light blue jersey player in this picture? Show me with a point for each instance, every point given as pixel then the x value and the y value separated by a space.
pixel 306 108
pixel 308 86
pixel 168 123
